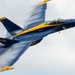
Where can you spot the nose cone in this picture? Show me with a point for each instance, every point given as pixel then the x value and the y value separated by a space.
pixel 70 21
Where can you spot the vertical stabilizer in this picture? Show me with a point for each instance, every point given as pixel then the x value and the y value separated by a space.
pixel 11 27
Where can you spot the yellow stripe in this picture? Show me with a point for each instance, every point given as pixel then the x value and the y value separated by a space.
pixel 43 25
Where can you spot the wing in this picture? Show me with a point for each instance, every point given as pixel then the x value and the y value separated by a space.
pixel 9 56
pixel 37 16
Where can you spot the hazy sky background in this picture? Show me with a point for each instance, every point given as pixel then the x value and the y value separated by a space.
pixel 55 55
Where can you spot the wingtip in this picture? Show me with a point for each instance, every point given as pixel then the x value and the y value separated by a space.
pixel 6 68
pixel 3 18
pixel 47 0
pixel 44 2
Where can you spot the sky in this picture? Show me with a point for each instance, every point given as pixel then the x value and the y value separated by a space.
pixel 55 55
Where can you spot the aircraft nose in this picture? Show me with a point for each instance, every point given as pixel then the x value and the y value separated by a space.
pixel 70 21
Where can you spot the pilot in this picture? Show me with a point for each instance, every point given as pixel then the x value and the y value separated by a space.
pixel 60 21
pixel 54 22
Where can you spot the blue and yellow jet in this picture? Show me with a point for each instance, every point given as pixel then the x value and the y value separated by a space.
pixel 19 39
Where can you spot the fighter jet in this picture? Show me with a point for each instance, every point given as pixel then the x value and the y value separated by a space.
pixel 18 39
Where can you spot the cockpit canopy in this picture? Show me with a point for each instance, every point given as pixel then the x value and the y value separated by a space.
pixel 58 21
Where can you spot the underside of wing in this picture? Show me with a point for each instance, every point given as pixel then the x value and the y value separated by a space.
pixel 37 16
pixel 9 56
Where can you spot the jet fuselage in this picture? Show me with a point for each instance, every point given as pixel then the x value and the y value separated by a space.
pixel 40 31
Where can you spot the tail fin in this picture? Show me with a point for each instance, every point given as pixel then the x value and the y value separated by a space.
pixel 11 27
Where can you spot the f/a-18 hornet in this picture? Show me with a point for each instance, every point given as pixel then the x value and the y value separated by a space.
pixel 19 39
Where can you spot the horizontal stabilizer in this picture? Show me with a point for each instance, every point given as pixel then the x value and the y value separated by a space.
pixel 11 27
pixel 7 41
